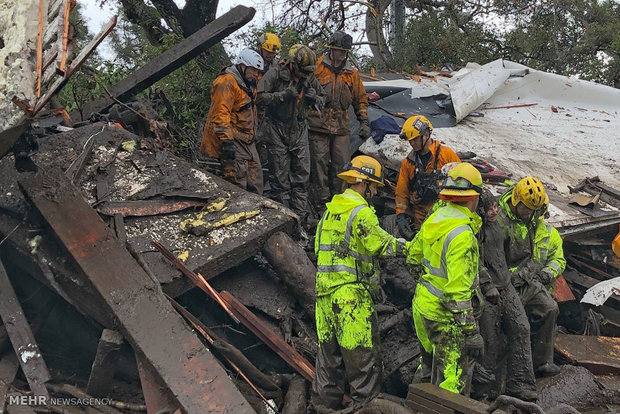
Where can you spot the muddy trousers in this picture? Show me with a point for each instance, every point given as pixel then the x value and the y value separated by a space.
pixel 349 347
pixel 245 170
pixel 444 341
pixel 328 154
pixel 542 312
pixel 289 161
pixel 507 323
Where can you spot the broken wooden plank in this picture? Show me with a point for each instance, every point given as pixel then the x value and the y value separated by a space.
pixel 599 354
pixel 269 337
pixel 561 290
pixel 104 365
pixel 448 399
pixel 144 208
pixel 22 338
pixel 174 58
pixel 146 318
pixel 157 396
pixel 425 405
pixel 77 166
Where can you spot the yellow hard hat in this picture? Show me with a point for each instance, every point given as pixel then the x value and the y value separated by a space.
pixel 362 168
pixel 304 60
pixel 415 126
pixel 270 42
pixel 530 192
pixel 462 180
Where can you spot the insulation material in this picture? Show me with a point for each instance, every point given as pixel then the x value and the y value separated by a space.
pixel 18 31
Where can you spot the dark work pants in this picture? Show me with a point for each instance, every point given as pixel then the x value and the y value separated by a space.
pixel 328 154
pixel 508 319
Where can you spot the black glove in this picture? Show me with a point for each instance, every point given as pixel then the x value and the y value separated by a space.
pixel 529 270
pixel 546 277
pixel 492 295
pixel 228 150
pixel 364 130
pixel 310 94
pixel 403 226
pixel 289 93
pixel 473 345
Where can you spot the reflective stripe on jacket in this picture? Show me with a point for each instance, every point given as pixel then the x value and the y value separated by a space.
pixel 343 90
pixel 232 112
pixel 544 248
pixel 403 194
pixel 447 247
pixel 348 238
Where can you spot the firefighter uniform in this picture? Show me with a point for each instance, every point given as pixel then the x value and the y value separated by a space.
pixel 232 117
pixel 348 241
pixel 443 310
pixel 283 95
pixel 329 128
pixel 535 257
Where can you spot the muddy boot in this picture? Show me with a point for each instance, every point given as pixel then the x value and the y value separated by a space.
pixel 525 395
pixel 547 370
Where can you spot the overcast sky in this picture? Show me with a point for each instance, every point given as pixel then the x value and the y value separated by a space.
pixel 97 17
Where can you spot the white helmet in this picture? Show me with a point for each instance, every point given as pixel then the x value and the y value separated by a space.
pixel 251 58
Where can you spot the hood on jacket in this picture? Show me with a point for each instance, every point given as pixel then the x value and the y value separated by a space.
pixel 325 59
pixel 444 220
pixel 234 71
pixel 347 201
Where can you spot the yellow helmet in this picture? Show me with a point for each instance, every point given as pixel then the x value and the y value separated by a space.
pixel 362 168
pixel 270 42
pixel 415 126
pixel 530 192
pixel 304 60
pixel 462 180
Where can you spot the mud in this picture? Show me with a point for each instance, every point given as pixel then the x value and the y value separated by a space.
pixel 575 386
pixel 295 400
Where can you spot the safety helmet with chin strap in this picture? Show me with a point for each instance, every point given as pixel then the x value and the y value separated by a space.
pixel 363 168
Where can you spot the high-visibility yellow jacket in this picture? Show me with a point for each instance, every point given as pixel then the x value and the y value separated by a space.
pixel 232 113
pixel 447 247
pixel 536 240
pixel 348 239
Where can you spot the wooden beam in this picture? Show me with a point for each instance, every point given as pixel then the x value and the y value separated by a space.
pixel 175 57
pixel 63 37
pixel 42 19
pixel 104 365
pixel 447 399
pixel 599 354
pixel 146 318
pixel 22 338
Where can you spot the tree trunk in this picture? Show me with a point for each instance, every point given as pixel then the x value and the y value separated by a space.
pixel 374 33
pixel 294 268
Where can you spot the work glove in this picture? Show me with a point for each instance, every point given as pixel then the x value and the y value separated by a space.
pixel 289 93
pixel 492 295
pixel 403 226
pixel 529 270
pixel 364 130
pixel 310 95
pixel 228 150
pixel 546 277
pixel 473 346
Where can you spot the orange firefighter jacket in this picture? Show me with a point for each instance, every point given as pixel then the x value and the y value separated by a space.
pixel 407 171
pixel 232 114
pixel 343 89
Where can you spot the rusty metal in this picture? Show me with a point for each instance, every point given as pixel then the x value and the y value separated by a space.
pixel 190 371
pixel 146 207
pixel 197 278
pixel 269 337
pixel 199 326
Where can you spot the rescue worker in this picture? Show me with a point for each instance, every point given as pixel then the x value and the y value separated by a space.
pixel 443 310
pixel 348 241
pixel 329 128
pixel 286 91
pixel 268 47
pixel 232 121
pixel 535 258
pixel 503 314
pixel 420 172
